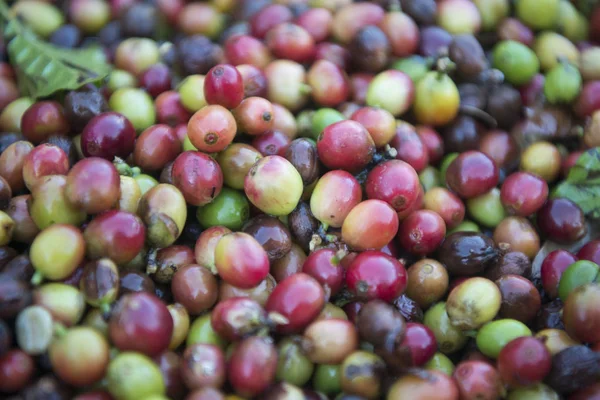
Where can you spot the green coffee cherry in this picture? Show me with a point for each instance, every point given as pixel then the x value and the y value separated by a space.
pixel 517 62
pixel 563 83
pixel 493 336
pixel 450 339
pixel 577 274
pixel 414 66
pixel 487 209
pixel 573 24
pixel 145 182
pixel 538 14
pixel 293 366
pixel 327 379
pixel 440 362
pixel 492 12
pixel 537 392
pixel 41 16
pixel 465 226
pixel 136 105
pixel 133 376
pixel 201 331
pixel 191 92
pixel 429 178
pixel 119 79
pixel 229 209
pixel 446 161
pixel 322 118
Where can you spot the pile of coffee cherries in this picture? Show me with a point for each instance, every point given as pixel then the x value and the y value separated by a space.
pixel 304 199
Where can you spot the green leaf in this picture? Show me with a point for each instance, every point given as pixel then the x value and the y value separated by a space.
pixel 587 197
pixel 587 167
pixel 582 186
pixel 43 69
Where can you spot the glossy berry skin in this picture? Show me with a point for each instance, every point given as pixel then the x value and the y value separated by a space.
pixel 375 275
pixel 252 366
pixel 561 220
pixel 240 260
pixel 195 288
pixel 379 122
pixel 198 177
pixel 394 182
pixel 552 269
pixel 422 232
pixel 591 252
pixel 328 82
pixel 290 41
pixel 478 380
pixel 45 159
pixel 432 141
pixel 445 203
pixel 359 82
pixel 246 49
pixel 420 341
pixel 523 194
pixel 142 323
pixel 108 135
pixel 118 235
pixel 255 80
pixel 588 100
pixel 580 314
pixel 391 90
pixel 203 365
pixel 402 31
pixel 436 99
pixel 524 361
pixel 12 160
pixel 223 85
pixel 434 385
pixel 317 21
pixel 345 145
pixel 254 116
pixel 212 129
pixel 337 54
pixel 299 298
pixel 57 251
pixel 80 357
pixel 93 185
pixel 324 265
pixel 335 195
pixel 501 147
pixel 267 18
pixel 274 185
pixel 169 109
pixel 156 147
pixel 236 317
pixel 410 147
pixel 43 119
pixel 204 249
pixel 16 370
pixel 156 79
pixel 370 225
pixel 272 143
pixel 471 174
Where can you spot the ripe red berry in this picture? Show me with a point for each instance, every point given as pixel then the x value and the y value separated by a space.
pixel 375 275
pixel 345 145
pixel 422 232
pixel 224 86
